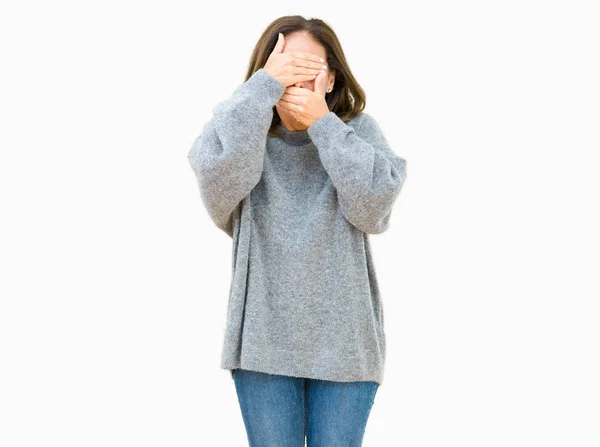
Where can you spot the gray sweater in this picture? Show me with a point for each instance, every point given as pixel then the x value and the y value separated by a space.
pixel 304 299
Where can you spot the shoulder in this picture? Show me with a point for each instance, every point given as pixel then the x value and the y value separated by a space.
pixel 365 124
pixel 362 121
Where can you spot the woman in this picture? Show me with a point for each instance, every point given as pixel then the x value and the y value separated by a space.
pixel 298 176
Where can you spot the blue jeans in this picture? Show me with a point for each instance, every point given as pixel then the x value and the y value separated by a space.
pixel 281 411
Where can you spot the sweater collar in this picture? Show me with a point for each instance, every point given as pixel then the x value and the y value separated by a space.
pixel 295 137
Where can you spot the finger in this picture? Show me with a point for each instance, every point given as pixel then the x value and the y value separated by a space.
pixel 285 98
pixel 292 101
pixel 279 45
pixel 290 104
pixel 309 66
pixel 301 68
pixel 321 84
pixel 309 56
pixel 305 71
pixel 297 91
pixel 304 57
pixel 285 104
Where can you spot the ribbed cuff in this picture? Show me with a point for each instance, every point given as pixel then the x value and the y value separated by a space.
pixel 265 86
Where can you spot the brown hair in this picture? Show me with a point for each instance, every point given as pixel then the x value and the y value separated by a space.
pixel 347 99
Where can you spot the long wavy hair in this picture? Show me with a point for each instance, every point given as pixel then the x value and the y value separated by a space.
pixel 347 99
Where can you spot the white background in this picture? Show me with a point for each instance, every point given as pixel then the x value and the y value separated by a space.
pixel 114 280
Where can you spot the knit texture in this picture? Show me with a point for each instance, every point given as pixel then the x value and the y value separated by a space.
pixel 304 299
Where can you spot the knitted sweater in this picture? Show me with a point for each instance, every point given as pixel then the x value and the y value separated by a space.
pixel 304 299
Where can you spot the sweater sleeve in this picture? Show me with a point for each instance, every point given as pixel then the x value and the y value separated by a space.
pixel 227 157
pixel 365 172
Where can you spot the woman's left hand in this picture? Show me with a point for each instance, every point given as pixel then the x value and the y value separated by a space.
pixel 305 105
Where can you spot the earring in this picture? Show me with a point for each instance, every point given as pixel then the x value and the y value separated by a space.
pixel 329 91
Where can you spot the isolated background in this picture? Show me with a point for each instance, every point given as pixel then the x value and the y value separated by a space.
pixel 114 280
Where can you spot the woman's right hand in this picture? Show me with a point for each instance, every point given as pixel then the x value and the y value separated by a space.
pixel 293 66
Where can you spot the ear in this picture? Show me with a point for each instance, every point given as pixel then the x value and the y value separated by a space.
pixel 331 80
